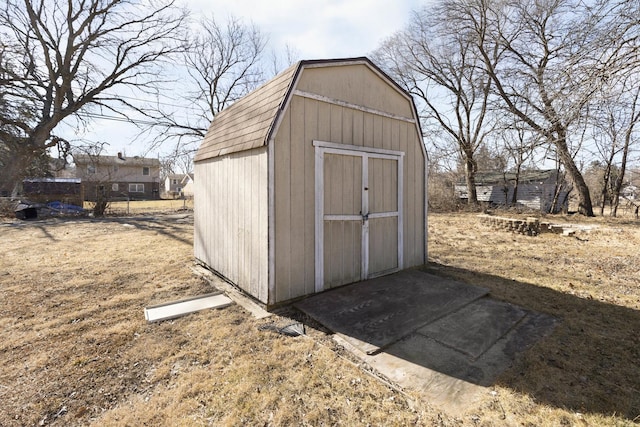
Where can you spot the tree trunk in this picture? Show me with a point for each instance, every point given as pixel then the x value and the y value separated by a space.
pixel 605 184
pixel 623 168
pixel 470 177
pixel 16 172
pixel 505 188
pixel 556 193
pixel 584 198
pixel 514 196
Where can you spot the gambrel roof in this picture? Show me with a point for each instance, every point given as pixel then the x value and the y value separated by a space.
pixel 246 124
pixel 250 121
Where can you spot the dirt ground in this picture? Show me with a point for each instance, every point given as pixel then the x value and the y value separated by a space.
pixel 75 348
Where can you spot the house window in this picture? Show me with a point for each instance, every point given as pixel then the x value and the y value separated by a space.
pixel 114 187
pixel 91 169
pixel 145 171
pixel 175 182
pixel 136 188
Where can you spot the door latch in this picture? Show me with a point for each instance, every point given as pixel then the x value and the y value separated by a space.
pixel 365 217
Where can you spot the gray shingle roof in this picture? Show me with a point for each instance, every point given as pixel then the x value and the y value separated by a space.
pixel 246 124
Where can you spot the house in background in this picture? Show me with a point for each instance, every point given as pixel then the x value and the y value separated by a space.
pixel 118 177
pixel 536 190
pixel 173 185
pixel 188 189
pixel 631 188
pixel 179 185
pixel 630 192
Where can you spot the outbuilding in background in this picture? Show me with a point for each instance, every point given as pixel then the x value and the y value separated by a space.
pixel 540 190
pixel 315 180
pixel 45 190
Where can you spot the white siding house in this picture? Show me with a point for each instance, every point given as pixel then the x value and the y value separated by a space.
pixel 118 177
pixel 179 185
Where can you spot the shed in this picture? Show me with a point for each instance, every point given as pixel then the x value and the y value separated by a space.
pixel 315 180
pixel 44 190
pixel 537 189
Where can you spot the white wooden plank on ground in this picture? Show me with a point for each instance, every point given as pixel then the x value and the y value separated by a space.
pixel 180 308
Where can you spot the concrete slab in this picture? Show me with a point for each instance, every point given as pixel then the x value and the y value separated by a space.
pixel 447 341
pixel 429 353
pixel 376 313
pixel 474 329
pixel 452 394
pixel 449 378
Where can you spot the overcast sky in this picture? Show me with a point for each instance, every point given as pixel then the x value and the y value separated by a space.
pixel 319 29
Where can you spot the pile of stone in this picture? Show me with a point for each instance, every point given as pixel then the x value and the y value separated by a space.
pixel 530 226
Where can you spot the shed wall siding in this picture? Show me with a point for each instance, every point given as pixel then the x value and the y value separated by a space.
pixel 308 119
pixel 536 196
pixel 355 84
pixel 231 219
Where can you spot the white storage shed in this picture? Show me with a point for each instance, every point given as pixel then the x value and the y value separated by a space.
pixel 315 180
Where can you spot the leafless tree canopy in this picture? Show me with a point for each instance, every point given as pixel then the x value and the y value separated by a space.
pixel 63 59
pixel 544 63
pixel 437 63
pixel 614 118
pixel 222 64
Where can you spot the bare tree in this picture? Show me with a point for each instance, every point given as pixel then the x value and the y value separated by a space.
pixel 223 63
pixel 624 61
pixel 101 179
pixel 73 59
pixel 547 74
pixel 607 144
pixel 615 132
pixel 278 61
pixel 438 64
pixel 175 162
pixel 558 53
pixel 519 144
pixel 13 112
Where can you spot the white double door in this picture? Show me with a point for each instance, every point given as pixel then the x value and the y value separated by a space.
pixel 358 213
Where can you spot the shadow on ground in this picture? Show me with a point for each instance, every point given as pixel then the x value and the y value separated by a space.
pixel 591 360
pixel 166 225
pixel 572 353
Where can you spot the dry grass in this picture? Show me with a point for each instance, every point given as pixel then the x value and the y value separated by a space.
pixel 588 370
pixel 136 207
pixel 75 348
